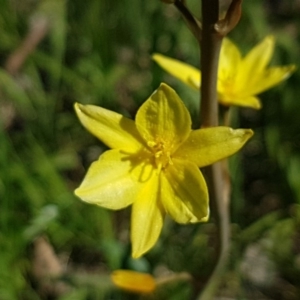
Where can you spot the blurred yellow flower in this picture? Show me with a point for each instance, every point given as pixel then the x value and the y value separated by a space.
pixel 154 163
pixel 240 79
pixel 135 282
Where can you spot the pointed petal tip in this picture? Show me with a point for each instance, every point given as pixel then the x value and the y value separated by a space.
pixel 259 106
pixel 77 105
pixel 155 56
pixel 244 133
pixel 270 38
pixel 205 219
pixel 79 108
pixel 141 246
pixel 269 42
pixel 160 58
pixel 289 70
pixel 249 132
pixel 147 218
pixel 255 104
pixel 138 253
pixel 165 87
pixel 202 220
pixel 78 192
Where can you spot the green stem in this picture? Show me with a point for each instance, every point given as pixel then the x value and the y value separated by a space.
pixel 210 50
pixel 225 114
pixel 216 175
pixel 190 20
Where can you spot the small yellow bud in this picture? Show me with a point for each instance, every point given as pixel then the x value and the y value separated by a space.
pixel 135 282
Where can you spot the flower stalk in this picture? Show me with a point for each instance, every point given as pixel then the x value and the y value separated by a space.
pixel 219 193
pixel 192 23
pixel 210 51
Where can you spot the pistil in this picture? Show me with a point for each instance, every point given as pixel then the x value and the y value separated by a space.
pixel 161 153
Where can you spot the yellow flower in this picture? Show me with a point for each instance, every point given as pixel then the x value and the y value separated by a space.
pixel 240 79
pixel 135 282
pixel 154 164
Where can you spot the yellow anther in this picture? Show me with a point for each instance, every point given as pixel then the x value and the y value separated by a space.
pixel 158 154
pixel 151 144
pixel 162 158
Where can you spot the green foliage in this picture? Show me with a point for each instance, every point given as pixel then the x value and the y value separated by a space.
pixel 98 52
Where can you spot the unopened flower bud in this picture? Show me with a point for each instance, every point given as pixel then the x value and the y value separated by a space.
pixel 231 19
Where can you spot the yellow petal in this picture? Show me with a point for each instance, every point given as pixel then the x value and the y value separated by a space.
pixel 184 193
pixel 229 63
pixel 132 281
pixel 109 181
pixel 255 62
pixel 111 128
pixel 164 117
pixel 182 71
pixel 146 218
pixel 271 77
pixel 250 101
pixel 208 145
pixel 260 55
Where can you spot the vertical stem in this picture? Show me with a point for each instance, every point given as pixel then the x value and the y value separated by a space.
pixel 216 175
pixel 210 49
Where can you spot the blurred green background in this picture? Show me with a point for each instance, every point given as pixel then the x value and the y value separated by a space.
pixel 52 246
